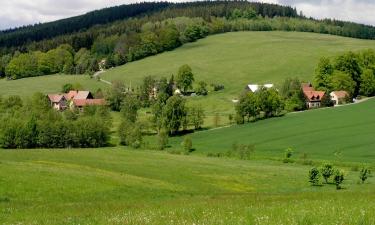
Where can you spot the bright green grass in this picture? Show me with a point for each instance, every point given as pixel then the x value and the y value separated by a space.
pixel 237 59
pixel 46 84
pixel 347 131
pixel 118 186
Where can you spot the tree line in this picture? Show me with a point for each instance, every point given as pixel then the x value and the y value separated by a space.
pixel 353 72
pixel 32 123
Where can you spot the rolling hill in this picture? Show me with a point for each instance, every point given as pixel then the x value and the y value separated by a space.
pixel 233 59
pixel 342 134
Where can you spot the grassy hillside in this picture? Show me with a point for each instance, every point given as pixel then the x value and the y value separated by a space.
pixel 116 186
pixel 342 133
pixel 46 84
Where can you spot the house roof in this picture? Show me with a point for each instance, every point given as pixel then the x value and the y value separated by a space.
pixel 306 87
pixel 85 102
pixel 82 95
pixel 56 98
pixel 340 94
pixel 69 96
pixel 314 95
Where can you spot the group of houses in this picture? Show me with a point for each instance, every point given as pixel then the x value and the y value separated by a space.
pixel 74 100
pixel 313 97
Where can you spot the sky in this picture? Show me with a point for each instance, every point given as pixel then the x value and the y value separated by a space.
pixel 15 13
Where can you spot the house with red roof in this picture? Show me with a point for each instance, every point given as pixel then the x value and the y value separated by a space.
pixel 58 101
pixel 74 99
pixel 313 97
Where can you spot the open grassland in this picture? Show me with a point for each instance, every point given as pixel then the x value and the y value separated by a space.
pixel 342 133
pixel 46 84
pixel 118 186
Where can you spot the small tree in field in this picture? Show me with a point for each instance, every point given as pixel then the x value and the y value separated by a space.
pixel 162 139
pixel 288 155
pixel 314 176
pixel 363 174
pixel 187 144
pixel 338 178
pixel 327 171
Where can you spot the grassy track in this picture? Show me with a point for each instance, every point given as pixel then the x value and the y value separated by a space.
pixel 117 186
pixel 343 133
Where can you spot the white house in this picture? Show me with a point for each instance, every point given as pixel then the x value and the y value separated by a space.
pixel 339 97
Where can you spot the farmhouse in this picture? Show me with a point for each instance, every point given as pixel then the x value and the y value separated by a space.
pixel 255 87
pixel 74 99
pixel 313 98
pixel 339 97
pixel 57 101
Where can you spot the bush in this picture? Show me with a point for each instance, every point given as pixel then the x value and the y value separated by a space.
pixel 288 155
pixel 363 174
pixel 338 178
pixel 162 139
pixel 187 144
pixel 130 134
pixel 314 176
pixel 327 171
pixel 217 87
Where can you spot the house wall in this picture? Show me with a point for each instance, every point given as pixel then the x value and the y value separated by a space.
pixel 335 99
pixel 313 105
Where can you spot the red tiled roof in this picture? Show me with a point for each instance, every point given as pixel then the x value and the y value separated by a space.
pixel 340 94
pixel 85 102
pixel 55 98
pixel 83 95
pixel 69 96
pixel 314 95
pixel 306 87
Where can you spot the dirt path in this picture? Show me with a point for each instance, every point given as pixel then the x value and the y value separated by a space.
pixel 97 74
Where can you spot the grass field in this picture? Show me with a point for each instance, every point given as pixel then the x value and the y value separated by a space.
pixel 342 133
pixel 119 186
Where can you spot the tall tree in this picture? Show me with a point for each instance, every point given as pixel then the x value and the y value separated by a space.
pixel 185 78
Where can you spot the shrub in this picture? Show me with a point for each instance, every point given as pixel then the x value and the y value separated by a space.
pixel 363 174
pixel 338 178
pixel 162 139
pixel 130 134
pixel 288 155
pixel 187 144
pixel 327 171
pixel 314 176
pixel 217 87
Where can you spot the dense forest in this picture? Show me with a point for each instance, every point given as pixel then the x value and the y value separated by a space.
pixel 115 36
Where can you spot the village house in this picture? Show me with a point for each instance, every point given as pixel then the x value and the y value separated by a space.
pixel 339 97
pixel 74 99
pixel 255 87
pixel 58 101
pixel 313 97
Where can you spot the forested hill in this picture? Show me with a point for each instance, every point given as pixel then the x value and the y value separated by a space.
pixel 21 36
pixel 127 33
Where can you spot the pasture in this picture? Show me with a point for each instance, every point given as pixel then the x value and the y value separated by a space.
pixel 121 186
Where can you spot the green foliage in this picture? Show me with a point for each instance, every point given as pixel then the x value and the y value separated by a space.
pixel 364 174
pixel 288 153
pixel 367 87
pixel 343 81
pixel 196 116
pixel 67 87
pixel 314 176
pixel 327 171
pixel 129 107
pixel 323 75
pixel 338 178
pixel 115 95
pixel 174 113
pixel 23 65
pixel 162 139
pixel 130 134
pixel 185 78
pixel 201 88
pixel 292 93
pixel 241 151
pixel 187 144
pixel 249 13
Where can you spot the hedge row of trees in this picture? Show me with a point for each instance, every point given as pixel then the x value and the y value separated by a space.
pixel 353 72
pixel 264 103
pixel 34 124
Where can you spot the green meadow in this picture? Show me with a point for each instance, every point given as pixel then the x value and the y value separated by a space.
pixel 342 134
pixel 121 186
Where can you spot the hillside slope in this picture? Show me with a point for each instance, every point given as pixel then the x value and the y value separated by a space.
pixel 342 133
